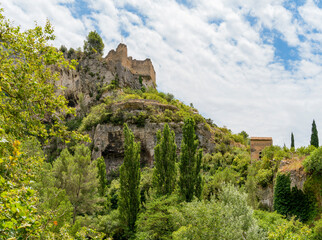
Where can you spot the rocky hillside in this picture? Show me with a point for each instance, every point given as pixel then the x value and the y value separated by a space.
pixel 110 91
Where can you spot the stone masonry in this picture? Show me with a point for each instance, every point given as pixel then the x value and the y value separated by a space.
pixel 257 144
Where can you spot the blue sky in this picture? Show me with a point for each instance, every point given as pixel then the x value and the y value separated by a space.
pixel 247 64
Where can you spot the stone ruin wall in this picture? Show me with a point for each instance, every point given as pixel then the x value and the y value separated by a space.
pixel 137 67
pixel 257 144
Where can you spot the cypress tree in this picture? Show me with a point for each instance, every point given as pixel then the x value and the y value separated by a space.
pixel 164 175
pixel 190 163
pixel 314 135
pixel 292 141
pixel 129 201
pixel 101 166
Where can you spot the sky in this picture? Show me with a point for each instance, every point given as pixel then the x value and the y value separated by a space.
pixel 246 64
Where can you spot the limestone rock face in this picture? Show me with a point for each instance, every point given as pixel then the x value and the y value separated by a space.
pixel 93 73
pixel 108 142
pixel 297 176
pixel 266 197
pixel 86 86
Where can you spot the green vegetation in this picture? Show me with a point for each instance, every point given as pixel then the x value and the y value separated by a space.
pixel 293 202
pixel 314 136
pixel 93 43
pixel 282 194
pixel 313 163
pixel 65 193
pixel 190 181
pixel 129 200
pixel 155 112
pixel 164 175
pixel 77 175
pixel 292 141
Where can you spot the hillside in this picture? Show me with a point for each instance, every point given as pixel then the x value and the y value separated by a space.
pixel 87 160
pixel 108 92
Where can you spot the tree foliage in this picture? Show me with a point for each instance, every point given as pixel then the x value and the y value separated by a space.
pixel 313 163
pixel 29 69
pixel 228 217
pixel 129 199
pixel 94 43
pixel 190 181
pixel 101 167
pixel 292 141
pixel 314 136
pixel 164 175
pixel 293 202
pixel 77 174
pixel 282 194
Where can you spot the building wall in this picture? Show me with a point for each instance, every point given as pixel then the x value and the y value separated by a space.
pixel 257 144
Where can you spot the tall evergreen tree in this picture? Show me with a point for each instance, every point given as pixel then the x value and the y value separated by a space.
pixel 164 174
pixel 129 201
pixel 314 135
pixel 101 167
pixel 190 162
pixel 292 141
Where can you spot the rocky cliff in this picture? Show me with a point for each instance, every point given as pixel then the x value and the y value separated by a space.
pixel 111 85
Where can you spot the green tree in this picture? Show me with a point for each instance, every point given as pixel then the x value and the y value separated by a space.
pixel 156 221
pixel 129 198
pixel 77 174
pixel 314 136
pixel 29 70
pixel 228 217
pixel 190 181
pixel 93 43
pixel 164 174
pixel 101 167
pixel 27 82
pixel 282 194
pixel 292 141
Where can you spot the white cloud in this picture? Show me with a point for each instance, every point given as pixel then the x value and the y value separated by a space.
pixel 210 55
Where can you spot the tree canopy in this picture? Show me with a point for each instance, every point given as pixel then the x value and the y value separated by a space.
pixel 29 69
pixel 164 175
pixel 93 43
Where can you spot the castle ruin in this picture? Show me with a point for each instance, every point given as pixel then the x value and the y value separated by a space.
pixel 139 68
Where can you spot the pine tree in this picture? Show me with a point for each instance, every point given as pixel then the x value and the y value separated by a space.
pixel 314 136
pixel 93 43
pixel 292 141
pixel 129 201
pixel 164 174
pixel 77 174
pixel 190 181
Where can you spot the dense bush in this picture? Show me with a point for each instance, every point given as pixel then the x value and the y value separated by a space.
pixel 313 163
pixel 293 202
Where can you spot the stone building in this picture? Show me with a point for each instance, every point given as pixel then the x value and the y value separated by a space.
pixel 257 144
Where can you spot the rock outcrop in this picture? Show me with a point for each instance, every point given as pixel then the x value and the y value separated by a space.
pixel 298 176
pixel 108 142
pixel 134 69
pixel 86 86
pixel 94 72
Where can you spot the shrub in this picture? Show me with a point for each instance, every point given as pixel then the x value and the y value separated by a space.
pixel 97 115
pixel 313 163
